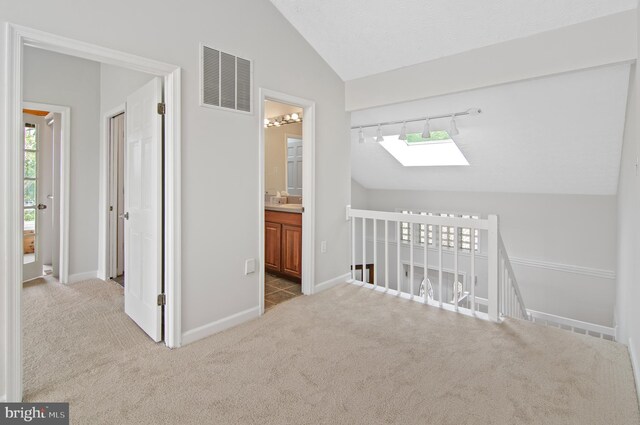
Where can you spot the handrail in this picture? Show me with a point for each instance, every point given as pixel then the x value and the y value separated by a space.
pixel 480 224
pixel 503 293
pixel 512 275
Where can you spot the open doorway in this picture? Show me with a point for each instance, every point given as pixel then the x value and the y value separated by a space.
pixel 283 203
pixel 116 125
pixel 153 144
pixel 286 197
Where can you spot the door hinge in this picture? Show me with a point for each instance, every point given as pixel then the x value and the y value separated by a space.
pixel 110 207
pixel 162 109
pixel 302 209
pixel 162 299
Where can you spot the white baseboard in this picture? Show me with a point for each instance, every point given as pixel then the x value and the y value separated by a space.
pixel 332 282
pixel 78 277
pixel 3 398
pixel 634 366
pixel 220 325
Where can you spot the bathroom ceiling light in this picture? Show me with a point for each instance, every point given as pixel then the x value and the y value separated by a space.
pixel 282 120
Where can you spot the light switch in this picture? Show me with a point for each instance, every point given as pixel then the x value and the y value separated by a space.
pixel 250 266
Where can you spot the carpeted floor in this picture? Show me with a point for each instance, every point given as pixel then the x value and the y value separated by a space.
pixel 344 356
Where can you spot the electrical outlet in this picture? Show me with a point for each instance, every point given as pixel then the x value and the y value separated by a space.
pixel 323 247
pixel 250 266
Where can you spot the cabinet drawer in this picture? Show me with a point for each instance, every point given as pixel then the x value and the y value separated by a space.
pixel 292 219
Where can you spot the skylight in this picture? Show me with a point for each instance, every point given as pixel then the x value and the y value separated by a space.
pixel 438 150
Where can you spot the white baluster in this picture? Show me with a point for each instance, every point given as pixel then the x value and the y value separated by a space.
pixel 411 229
pixel 473 271
pixel 364 249
pixel 398 259
pixel 426 263
pixel 455 266
pixel 374 269
pixel 353 248
pixel 386 255
pixel 440 264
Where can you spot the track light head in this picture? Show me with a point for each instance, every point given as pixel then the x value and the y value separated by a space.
pixel 426 132
pixel 453 128
pixel 403 132
pixel 379 137
pixel 361 136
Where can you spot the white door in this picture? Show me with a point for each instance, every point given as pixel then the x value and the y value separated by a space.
pixel 143 208
pixel 294 166
pixel 32 260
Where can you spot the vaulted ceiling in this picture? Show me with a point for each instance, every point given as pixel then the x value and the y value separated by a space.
pixel 557 134
pixel 364 37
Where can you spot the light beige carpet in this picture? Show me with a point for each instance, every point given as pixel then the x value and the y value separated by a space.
pixel 344 356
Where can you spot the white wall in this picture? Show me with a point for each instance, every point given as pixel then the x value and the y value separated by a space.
pixel 275 155
pixel 116 83
pixel 359 196
pixel 628 291
pixel 601 41
pixel 68 81
pixel 563 246
pixel 219 219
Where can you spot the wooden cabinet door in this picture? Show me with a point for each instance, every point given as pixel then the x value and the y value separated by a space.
pixel 292 250
pixel 272 246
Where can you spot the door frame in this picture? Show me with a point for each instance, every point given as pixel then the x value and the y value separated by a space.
pixel 65 149
pixel 308 187
pixel 111 220
pixel 17 37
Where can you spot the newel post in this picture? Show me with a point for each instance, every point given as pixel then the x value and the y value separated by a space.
pixel 494 288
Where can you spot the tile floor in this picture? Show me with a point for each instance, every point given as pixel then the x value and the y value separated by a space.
pixel 279 290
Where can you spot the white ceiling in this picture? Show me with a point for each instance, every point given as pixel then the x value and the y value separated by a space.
pixel 558 134
pixel 364 37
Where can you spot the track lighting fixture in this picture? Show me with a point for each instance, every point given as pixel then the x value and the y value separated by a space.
pixel 379 137
pixel 426 132
pixel 361 136
pixel 453 128
pixel 403 132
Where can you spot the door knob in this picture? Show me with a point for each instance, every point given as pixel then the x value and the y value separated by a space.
pixel 125 216
pixel 42 207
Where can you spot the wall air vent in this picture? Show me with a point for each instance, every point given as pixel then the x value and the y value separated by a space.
pixel 226 81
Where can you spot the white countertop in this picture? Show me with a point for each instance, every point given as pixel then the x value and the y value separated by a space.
pixel 290 208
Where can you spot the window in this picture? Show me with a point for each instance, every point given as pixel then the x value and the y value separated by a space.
pixel 438 150
pixel 30 180
pixel 447 235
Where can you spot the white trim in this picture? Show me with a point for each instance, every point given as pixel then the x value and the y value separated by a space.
pixel 11 274
pixel 332 282
pixel 308 188
pixel 3 398
pixel 65 181
pixel 79 277
pixel 572 323
pixel 634 366
pixel 548 265
pixel 566 268
pixel 220 325
pixel 106 218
